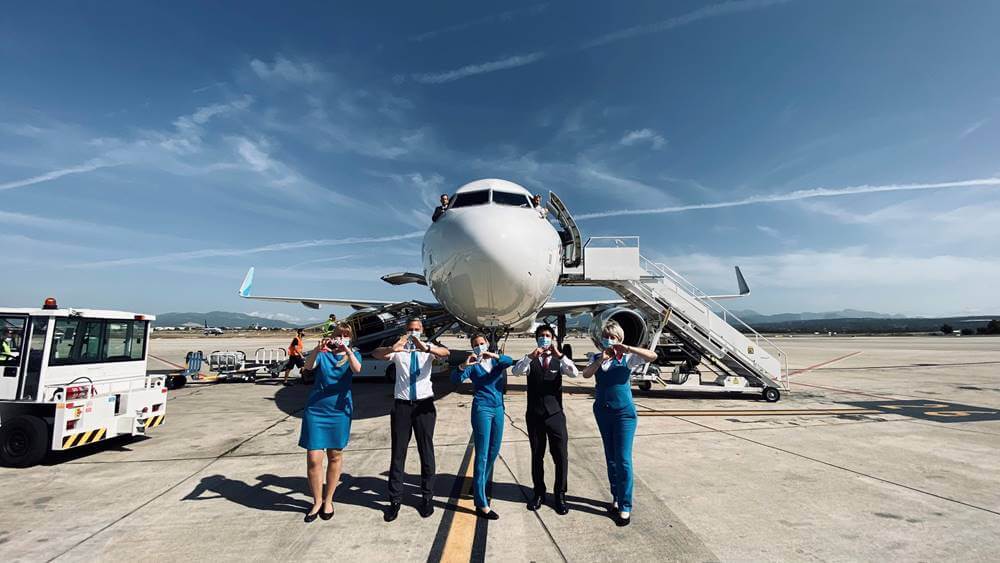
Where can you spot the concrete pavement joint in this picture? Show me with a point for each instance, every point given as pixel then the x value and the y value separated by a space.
pixel 170 488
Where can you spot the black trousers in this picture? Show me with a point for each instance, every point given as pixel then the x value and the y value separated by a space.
pixel 416 418
pixel 551 429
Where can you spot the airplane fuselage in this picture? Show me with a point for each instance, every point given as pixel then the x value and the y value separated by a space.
pixel 488 260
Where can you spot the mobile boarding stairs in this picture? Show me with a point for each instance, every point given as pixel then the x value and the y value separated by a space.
pixel 676 312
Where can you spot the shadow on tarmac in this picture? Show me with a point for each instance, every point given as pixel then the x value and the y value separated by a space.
pixel 291 494
pixel 372 399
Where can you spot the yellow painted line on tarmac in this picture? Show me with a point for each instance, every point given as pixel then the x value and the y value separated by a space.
pixel 462 534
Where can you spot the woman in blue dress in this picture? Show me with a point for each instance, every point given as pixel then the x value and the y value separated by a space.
pixel 326 422
pixel 615 413
pixel 486 371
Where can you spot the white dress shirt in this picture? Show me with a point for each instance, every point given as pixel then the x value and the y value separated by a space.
pixel 423 387
pixel 566 365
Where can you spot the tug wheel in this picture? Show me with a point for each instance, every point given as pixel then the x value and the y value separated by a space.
pixel 567 351
pixel 771 394
pixel 23 441
pixel 645 385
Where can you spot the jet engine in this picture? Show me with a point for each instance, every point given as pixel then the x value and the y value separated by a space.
pixel 632 323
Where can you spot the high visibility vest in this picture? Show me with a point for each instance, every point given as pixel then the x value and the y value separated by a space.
pixel 5 350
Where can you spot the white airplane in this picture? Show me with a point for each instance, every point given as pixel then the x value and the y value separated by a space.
pixel 492 261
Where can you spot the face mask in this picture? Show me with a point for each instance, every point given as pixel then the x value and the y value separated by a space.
pixel 478 350
pixel 544 341
pixel 608 342
pixel 415 334
pixel 345 341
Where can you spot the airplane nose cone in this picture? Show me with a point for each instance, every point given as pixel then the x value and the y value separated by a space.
pixel 492 266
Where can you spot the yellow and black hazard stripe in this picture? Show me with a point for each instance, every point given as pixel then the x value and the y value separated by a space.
pixel 154 421
pixel 84 438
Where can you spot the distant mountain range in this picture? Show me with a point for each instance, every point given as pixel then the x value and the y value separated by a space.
pixel 751 316
pixel 847 321
pixel 219 319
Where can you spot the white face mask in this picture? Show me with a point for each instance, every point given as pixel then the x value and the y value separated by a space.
pixel 478 350
pixel 415 334
pixel 345 341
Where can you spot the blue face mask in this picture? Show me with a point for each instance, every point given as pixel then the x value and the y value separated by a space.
pixel 478 350
pixel 608 342
pixel 544 341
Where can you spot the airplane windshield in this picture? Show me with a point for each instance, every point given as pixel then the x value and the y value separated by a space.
pixel 465 199
pixel 508 198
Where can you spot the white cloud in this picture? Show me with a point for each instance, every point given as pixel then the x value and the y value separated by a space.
pixel 285 70
pixel 850 278
pixel 716 10
pixel 800 195
pixel 228 252
pixel 637 136
pixel 769 231
pixel 89 166
pixel 506 16
pixel 479 68
pixel 258 160
pixel 973 128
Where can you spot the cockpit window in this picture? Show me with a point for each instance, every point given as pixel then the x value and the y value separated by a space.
pixel 508 198
pixel 466 199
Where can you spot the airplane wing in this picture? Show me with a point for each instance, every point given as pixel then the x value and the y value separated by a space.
pixel 310 302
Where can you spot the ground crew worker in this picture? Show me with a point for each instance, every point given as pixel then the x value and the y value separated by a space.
pixel 544 418
pixel 413 413
pixel 294 355
pixel 7 347
pixel 329 325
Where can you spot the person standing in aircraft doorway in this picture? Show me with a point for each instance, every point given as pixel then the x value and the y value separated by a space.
pixel 615 412
pixel 546 422
pixel 486 371
pixel 413 413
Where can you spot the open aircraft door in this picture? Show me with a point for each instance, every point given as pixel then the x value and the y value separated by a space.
pixel 569 233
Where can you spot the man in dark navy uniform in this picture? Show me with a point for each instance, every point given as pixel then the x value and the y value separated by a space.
pixel 545 419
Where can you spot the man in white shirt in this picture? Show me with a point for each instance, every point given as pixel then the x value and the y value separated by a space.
pixel 544 417
pixel 413 412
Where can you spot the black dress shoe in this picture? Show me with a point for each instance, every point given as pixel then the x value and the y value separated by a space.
pixel 327 515
pixel 622 522
pixel 310 517
pixel 536 501
pixel 561 508
pixel 392 512
pixel 491 515
pixel 426 509
pixel 613 509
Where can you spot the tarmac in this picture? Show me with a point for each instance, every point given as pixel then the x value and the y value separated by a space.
pixel 885 448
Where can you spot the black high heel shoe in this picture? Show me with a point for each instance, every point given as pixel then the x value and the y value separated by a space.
pixel 327 515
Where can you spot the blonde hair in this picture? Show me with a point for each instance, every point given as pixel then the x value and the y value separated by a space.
pixel 614 330
pixel 342 328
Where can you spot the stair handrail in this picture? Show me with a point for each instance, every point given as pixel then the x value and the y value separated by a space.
pixel 672 275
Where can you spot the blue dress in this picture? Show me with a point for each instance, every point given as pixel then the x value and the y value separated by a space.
pixel 326 422
pixel 616 420
pixel 487 420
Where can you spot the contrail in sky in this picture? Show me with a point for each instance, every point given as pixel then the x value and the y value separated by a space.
pixel 796 196
pixel 89 166
pixel 219 252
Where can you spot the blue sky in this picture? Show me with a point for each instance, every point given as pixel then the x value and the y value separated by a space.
pixel 843 153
